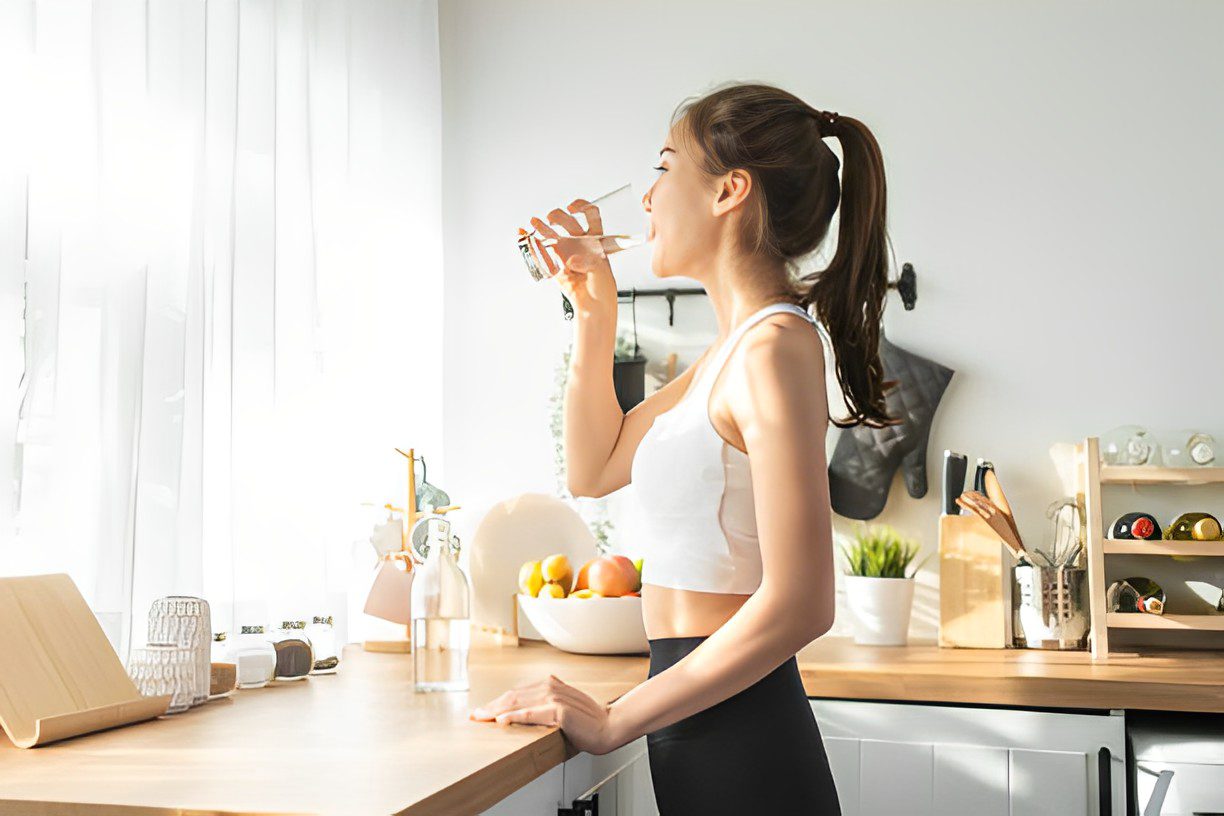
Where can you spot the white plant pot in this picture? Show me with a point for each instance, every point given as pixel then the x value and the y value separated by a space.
pixel 880 608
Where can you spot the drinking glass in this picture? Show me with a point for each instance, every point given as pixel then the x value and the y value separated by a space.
pixel 619 223
pixel 165 668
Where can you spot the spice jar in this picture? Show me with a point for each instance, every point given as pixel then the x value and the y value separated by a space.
pixel 294 654
pixel 322 636
pixel 255 657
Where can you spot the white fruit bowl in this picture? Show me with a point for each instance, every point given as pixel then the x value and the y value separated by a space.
pixel 589 625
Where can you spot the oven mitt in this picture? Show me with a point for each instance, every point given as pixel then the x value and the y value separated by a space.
pixel 865 459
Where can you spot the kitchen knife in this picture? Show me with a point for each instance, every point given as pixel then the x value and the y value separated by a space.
pixel 979 476
pixel 955 466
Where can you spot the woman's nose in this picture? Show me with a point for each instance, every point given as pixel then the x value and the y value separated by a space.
pixel 646 200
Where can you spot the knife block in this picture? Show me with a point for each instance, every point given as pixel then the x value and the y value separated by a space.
pixel 975 577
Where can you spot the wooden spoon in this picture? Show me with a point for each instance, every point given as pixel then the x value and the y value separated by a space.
pixel 995 492
pixel 978 504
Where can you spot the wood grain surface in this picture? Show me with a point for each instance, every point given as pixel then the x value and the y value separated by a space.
pixel 361 741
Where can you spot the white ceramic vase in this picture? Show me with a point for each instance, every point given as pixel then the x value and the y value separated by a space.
pixel 880 608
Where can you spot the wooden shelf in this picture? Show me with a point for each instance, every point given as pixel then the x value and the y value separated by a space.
pixel 1150 474
pixel 1090 477
pixel 1143 620
pixel 1124 546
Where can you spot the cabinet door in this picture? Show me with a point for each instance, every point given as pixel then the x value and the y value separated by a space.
pixel 908 786
pixel 1045 782
pixel 843 754
pixel 585 772
pixel 541 797
pixel 970 779
pixel 634 790
pixel 993 762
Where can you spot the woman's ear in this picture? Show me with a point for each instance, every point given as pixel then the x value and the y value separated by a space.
pixel 733 189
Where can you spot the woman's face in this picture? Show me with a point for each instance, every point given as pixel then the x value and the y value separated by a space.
pixel 683 227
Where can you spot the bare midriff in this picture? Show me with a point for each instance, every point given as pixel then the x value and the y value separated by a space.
pixel 672 612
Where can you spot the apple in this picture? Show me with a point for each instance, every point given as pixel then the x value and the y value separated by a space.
pixel 580 582
pixel 631 570
pixel 608 576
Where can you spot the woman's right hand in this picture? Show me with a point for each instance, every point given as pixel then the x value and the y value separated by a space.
pixel 580 266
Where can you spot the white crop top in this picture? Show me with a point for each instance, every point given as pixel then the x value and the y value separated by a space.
pixel 694 514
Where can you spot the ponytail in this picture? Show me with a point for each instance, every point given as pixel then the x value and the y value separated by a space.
pixel 849 294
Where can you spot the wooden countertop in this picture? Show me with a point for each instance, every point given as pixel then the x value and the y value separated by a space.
pixel 356 742
pixel 360 741
pixel 1152 680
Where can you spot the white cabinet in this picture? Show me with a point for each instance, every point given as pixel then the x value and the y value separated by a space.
pixel 621 778
pixel 539 797
pixel 923 760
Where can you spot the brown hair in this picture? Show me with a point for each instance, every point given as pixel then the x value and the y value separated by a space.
pixel 777 138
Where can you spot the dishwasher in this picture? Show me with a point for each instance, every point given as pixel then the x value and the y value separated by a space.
pixel 1176 765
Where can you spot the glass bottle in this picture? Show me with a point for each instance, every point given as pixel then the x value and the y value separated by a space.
pixel 1194 527
pixel 254 656
pixel 441 609
pixel 322 636
pixel 294 654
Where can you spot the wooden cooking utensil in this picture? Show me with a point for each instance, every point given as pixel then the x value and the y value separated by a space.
pixel 995 492
pixel 975 502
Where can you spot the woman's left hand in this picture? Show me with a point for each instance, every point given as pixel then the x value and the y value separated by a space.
pixel 586 723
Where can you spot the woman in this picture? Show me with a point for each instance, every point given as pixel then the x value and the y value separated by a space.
pixel 738 568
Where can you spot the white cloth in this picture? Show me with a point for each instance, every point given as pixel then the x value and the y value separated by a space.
pixel 220 221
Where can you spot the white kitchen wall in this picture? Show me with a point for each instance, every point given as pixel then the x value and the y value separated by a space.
pixel 1053 173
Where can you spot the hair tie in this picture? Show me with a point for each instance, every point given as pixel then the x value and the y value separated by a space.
pixel 826 117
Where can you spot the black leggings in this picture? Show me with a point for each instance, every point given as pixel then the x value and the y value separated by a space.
pixel 757 752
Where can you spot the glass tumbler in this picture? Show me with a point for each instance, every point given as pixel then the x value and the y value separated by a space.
pixel 165 668
pixel 619 222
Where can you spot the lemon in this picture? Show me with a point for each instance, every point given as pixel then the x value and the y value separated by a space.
pixel 530 578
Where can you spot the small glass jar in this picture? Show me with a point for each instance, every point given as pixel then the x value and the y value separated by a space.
pixel 219 653
pixel 254 656
pixel 323 640
pixel 294 654
pixel 165 668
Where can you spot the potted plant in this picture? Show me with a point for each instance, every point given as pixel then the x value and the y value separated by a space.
pixel 879 593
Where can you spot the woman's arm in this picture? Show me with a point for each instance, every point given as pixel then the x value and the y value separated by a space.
pixel 592 416
pixel 780 407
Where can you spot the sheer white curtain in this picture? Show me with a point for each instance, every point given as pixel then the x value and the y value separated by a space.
pixel 220 259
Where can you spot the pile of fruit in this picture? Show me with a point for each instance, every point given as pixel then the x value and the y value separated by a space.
pixel 608 576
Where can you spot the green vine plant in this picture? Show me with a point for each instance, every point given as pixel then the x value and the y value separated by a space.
pixel 879 551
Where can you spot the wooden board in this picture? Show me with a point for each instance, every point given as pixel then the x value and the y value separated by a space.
pixel 974 584
pixel 59 676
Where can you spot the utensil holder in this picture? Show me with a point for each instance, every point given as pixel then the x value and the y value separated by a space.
pixel 1051 607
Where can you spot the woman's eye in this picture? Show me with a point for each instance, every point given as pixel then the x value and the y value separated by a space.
pixel 661 169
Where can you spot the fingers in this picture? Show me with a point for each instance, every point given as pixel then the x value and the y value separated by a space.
pixel 544 229
pixel 549 691
pixel 559 216
pixel 546 714
pixel 518 697
pixel 543 257
pixel 590 212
